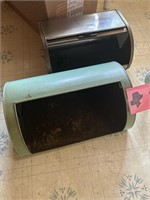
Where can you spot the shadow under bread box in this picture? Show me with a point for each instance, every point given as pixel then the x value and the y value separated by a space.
pixel 61 108
pixel 73 42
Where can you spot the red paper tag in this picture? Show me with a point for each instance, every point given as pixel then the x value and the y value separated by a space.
pixel 139 98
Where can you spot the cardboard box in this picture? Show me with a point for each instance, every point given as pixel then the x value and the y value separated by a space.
pixel 34 11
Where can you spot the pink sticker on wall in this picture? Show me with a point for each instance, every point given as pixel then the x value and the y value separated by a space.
pixel 139 98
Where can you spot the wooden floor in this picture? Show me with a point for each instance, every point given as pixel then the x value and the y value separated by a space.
pixel 112 167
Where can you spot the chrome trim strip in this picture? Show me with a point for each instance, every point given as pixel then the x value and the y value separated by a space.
pixel 82 40
pixel 77 39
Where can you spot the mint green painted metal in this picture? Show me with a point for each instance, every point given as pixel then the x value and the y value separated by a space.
pixel 147 78
pixel 58 83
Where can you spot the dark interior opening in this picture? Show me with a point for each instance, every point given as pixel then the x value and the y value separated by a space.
pixel 63 119
pixel 91 52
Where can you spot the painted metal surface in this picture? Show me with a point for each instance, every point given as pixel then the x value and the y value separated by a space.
pixel 58 83
pixel 147 78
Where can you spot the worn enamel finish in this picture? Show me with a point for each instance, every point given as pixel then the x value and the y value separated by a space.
pixel 58 83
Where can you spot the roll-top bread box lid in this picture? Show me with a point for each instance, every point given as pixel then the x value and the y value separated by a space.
pixel 62 108
pixel 79 41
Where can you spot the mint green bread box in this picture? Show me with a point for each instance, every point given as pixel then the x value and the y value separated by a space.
pixel 58 109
